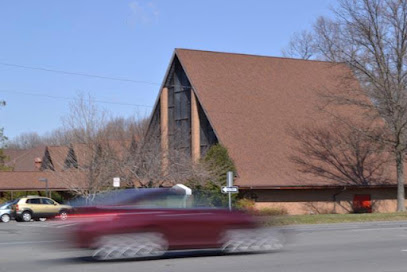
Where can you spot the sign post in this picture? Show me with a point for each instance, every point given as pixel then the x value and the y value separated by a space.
pixel 46 185
pixel 229 188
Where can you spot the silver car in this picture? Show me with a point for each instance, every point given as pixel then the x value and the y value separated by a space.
pixel 5 211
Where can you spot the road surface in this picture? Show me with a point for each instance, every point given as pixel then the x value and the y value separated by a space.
pixel 337 247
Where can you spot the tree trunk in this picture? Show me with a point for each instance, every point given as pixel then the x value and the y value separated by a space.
pixel 400 181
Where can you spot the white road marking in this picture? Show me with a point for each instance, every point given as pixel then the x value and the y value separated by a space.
pixel 376 229
pixel 49 225
pixel 34 225
pixel 65 225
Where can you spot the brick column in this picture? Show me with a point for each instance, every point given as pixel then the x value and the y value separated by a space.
pixel 195 131
pixel 164 130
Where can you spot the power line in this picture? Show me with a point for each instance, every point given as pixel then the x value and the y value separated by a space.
pixel 69 98
pixel 77 74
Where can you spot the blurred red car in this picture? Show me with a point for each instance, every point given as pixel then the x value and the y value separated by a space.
pixel 150 222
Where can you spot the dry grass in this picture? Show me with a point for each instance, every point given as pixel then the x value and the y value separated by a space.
pixel 331 218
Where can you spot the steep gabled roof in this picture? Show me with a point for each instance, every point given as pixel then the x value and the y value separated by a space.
pixel 251 103
pixel 58 156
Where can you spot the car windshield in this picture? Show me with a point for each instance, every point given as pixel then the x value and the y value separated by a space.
pixel 7 205
pixel 154 197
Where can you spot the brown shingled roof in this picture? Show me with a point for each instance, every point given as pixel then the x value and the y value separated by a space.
pixel 251 102
pixel 23 159
pixel 30 181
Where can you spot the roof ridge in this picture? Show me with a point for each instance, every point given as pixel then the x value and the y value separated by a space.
pixel 254 55
pixel 58 146
pixel 24 171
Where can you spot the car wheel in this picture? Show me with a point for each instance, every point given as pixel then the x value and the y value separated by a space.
pixel 130 245
pixel 5 218
pixel 251 240
pixel 63 215
pixel 26 216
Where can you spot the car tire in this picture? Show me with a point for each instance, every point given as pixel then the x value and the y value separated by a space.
pixel 63 215
pixel 5 218
pixel 130 246
pixel 26 216
pixel 251 240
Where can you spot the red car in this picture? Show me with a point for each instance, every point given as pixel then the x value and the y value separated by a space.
pixel 150 222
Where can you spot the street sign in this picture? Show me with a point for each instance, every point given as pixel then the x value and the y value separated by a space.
pixel 232 189
pixel 116 182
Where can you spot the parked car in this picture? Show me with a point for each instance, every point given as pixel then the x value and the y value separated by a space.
pixel 5 211
pixel 37 207
pixel 149 222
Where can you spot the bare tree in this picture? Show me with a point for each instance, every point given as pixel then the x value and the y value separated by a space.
pixel 301 45
pixel 370 36
pixel 59 136
pixel 3 141
pixel 103 148
pixel 342 154
pixel 25 141
pixel 85 165
pixel 91 148
pixel 142 163
pixel 118 128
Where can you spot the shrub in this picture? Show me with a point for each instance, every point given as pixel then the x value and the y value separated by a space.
pixel 271 211
pixel 245 204
pixel 217 162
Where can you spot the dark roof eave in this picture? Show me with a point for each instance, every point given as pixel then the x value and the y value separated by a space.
pixel 315 187
pixel 33 189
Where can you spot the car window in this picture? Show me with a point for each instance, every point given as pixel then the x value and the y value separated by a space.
pixel 33 201
pixel 172 201
pixel 47 201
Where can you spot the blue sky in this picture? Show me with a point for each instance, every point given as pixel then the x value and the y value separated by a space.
pixel 124 39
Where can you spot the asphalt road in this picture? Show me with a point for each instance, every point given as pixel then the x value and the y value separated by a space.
pixel 340 247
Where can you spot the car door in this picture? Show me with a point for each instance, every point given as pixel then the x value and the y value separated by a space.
pixel 34 204
pixel 50 207
pixel 191 228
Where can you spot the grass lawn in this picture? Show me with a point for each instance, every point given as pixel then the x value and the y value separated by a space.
pixel 281 220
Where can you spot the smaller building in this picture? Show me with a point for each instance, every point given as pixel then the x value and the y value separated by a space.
pixel 61 169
